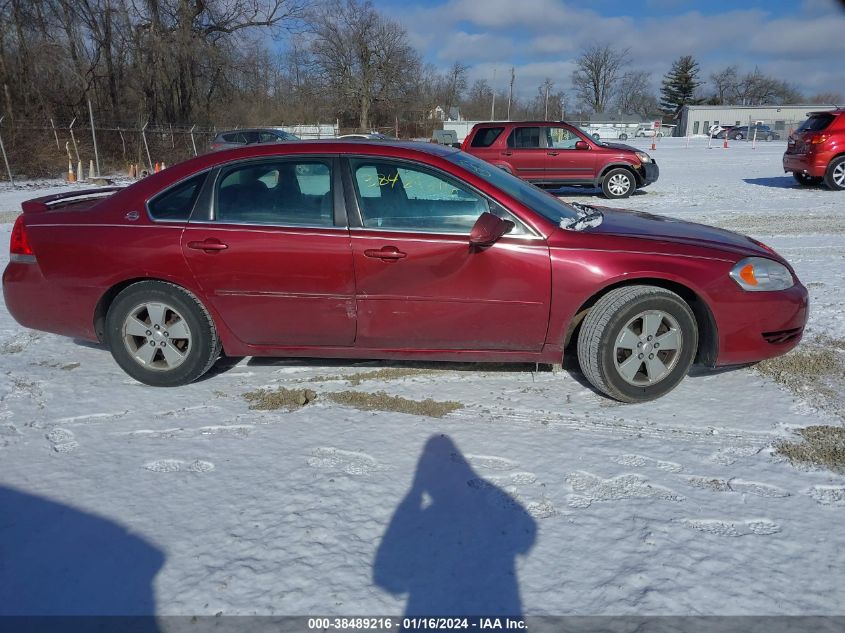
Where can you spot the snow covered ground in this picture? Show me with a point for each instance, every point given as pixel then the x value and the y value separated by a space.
pixel 538 494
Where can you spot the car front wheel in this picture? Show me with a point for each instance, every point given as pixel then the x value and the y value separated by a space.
pixel 637 343
pixel 835 176
pixel 161 335
pixel 618 183
pixel 806 180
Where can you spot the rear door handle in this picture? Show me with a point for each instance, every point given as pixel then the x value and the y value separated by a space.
pixel 209 245
pixel 388 253
pixel 506 153
pixel 553 153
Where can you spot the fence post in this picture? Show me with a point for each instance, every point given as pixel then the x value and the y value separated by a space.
pixel 122 142
pixel 94 137
pixel 147 147
pixel 53 125
pixel 193 142
pixel 5 158
pixel 73 138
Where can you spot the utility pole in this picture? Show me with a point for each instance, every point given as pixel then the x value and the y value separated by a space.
pixel 493 105
pixel 546 116
pixel 510 93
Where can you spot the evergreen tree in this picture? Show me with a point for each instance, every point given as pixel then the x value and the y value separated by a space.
pixel 679 84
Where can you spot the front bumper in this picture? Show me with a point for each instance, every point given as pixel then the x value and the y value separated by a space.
pixel 760 325
pixel 649 173
pixel 810 164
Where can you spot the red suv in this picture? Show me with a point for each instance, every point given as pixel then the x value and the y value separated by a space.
pixel 553 154
pixel 816 150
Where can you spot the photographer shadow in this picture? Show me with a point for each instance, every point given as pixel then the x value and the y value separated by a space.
pixel 452 543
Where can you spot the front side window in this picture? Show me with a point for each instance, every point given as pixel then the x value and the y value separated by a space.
pixel 176 203
pixel 399 196
pixel 525 138
pixel 278 192
pixel 562 138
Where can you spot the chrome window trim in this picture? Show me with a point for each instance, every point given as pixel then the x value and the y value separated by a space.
pixel 181 181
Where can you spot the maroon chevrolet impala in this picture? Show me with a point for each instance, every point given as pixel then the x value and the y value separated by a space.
pixel 392 251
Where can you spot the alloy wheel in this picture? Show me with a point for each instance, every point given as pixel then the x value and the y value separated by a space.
pixel 648 348
pixel 619 184
pixel 156 336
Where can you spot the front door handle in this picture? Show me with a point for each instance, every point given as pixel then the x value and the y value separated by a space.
pixel 553 153
pixel 507 153
pixel 209 245
pixel 387 254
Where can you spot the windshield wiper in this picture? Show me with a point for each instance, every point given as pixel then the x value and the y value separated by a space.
pixel 588 216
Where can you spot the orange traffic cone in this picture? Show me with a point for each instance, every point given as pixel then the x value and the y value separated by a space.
pixel 725 144
pixel 71 177
pixel 653 144
pixel 157 168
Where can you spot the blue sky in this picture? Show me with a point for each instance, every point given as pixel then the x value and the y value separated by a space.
pixel 796 41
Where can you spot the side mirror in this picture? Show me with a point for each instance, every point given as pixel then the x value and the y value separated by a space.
pixel 582 145
pixel 487 230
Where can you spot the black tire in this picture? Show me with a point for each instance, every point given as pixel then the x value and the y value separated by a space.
pixel 805 180
pixel 602 331
pixel 835 175
pixel 623 137
pixel 613 184
pixel 196 352
pixel 739 136
pixel 769 137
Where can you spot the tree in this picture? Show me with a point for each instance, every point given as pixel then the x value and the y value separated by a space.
pixel 832 98
pixel 726 82
pixel 476 106
pixel 363 57
pixel 455 82
pixel 680 84
pixel 635 95
pixel 596 75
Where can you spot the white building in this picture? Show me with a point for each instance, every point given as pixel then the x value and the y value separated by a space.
pixel 697 119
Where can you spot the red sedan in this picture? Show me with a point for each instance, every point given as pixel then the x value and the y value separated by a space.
pixel 394 251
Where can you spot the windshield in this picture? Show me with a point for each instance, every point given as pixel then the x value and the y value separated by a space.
pixel 532 197
pixel 589 134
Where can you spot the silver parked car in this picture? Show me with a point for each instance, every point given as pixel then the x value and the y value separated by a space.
pixel 250 136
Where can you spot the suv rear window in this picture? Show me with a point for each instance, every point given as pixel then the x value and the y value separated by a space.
pixel 816 123
pixel 485 137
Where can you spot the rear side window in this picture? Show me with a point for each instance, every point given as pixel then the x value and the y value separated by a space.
pixel 486 137
pixel 525 138
pixel 278 192
pixel 176 203
pixel 816 123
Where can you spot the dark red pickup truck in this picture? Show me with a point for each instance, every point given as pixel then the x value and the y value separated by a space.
pixel 554 154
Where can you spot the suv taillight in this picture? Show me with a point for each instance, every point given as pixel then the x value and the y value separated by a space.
pixel 19 244
pixel 818 139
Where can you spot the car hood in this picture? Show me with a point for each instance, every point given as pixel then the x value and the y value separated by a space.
pixel 666 229
pixel 627 148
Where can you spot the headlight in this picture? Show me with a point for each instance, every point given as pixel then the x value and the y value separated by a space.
pixel 644 158
pixel 758 274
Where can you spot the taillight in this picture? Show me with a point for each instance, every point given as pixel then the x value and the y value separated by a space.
pixel 817 139
pixel 19 244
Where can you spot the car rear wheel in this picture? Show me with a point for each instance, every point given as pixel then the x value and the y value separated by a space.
pixel 637 343
pixel 738 136
pixel 806 180
pixel 835 176
pixel 161 335
pixel 618 183
pixel 769 137
pixel 623 137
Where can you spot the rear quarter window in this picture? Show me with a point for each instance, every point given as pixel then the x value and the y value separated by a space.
pixel 175 204
pixel 485 137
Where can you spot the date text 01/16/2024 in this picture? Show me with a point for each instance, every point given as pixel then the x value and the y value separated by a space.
pixel 416 624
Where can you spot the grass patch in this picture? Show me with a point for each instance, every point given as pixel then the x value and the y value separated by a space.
pixel 822 446
pixel 381 401
pixel 281 398
pixel 800 364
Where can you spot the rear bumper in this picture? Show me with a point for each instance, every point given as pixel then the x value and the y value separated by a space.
pixel 810 164
pixel 761 325
pixel 36 303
